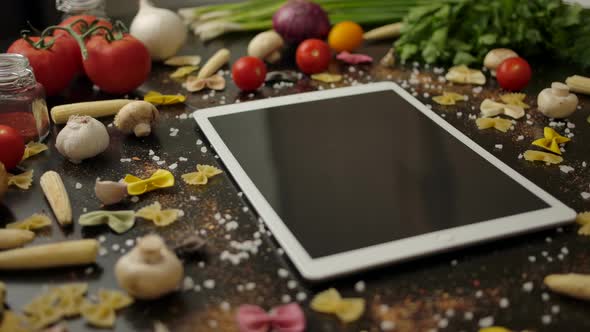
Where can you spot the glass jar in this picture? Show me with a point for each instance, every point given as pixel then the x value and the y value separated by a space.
pixel 22 99
pixel 81 7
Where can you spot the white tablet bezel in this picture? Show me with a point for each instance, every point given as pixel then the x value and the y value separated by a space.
pixel 394 251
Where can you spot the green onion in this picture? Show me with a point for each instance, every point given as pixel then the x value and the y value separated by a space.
pixel 211 21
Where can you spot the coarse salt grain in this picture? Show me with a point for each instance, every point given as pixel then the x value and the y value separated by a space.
pixel 199 142
pixel 161 162
pixel 387 325
pixel 203 149
pixel 85 210
pixel 546 319
pixel 443 323
pixel 102 239
pixel 125 160
pixel 291 284
pixel 555 309
pixel 250 286
pixel 129 242
pixel 116 247
pixel 182 159
pixel 286 298
pixel 585 195
pixel 209 284
pixel 486 321
pixel 478 294
pixel 545 297
pixel 301 296
pixel 360 286
pixel 532 259
pixel 230 226
pixel 213 324
pixel 283 273
pixel 468 315
pixel 450 312
pixel 173 166
pixel 520 138
pixel 135 199
pixel 565 250
pixel 225 306
pixel 498 146
pixel 504 303
pixel 155 158
pixel 188 283
pixel 78 185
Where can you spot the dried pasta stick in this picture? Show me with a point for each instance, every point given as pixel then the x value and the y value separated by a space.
pixel 67 253
pixel 572 284
pixel 96 109
pixel 14 238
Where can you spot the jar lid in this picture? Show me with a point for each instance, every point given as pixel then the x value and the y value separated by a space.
pixel 15 72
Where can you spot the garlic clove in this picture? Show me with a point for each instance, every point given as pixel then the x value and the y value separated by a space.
pixel 110 192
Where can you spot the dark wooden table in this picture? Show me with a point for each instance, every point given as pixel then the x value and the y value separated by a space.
pixel 448 292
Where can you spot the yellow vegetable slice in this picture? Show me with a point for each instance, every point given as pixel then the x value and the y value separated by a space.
pixel 498 123
pixel 327 77
pixel 22 181
pixel 160 217
pixel 583 219
pixel 33 148
pixel 157 98
pixel 183 72
pixel 532 155
pixel 551 140
pixel 36 221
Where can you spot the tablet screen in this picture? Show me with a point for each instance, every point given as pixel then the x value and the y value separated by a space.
pixel 355 171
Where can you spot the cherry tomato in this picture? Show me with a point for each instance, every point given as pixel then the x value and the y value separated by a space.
pixel 12 147
pixel 118 66
pixel 313 56
pixel 248 73
pixel 80 29
pixel 345 36
pixel 513 74
pixel 54 67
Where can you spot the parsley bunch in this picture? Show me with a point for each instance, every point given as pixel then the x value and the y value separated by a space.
pixel 463 31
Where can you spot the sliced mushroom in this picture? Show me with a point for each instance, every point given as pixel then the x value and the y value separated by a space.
pixel 266 46
pixel 137 117
pixel 496 56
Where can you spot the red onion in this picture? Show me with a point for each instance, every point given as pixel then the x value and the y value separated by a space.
pixel 298 20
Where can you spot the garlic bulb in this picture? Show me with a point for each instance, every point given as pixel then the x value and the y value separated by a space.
pixel 160 30
pixel 83 137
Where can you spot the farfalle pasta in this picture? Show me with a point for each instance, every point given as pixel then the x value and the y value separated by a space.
pixel 102 314
pixel 346 309
pixel 515 99
pixel 497 123
pixel 448 98
pixel 12 322
pixel 202 175
pixel 158 180
pixel 22 181
pixel 157 98
pixel 532 155
pixel 583 219
pixel 36 221
pixel 114 299
pixel 327 77
pixel 118 221
pixel 551 140
pixel 33 148
pixel 160 217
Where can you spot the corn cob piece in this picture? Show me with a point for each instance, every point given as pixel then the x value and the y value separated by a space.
pixel 572 284
pixel 68 253
pixel 388 31
pixel 96 109
pixel 579 84
pixel 56 194
pixel 13 238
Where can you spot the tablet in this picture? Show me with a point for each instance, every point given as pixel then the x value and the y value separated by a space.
pixel 352 178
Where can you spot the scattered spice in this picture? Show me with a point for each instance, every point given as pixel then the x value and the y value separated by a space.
pixel 465 75
pixel 190 245
pixel 551 140
pixel 346 309
pixel 156 98
pixel 161 178
pixel 515 99
pixel 448 98
pixel 118 221
pixel 160 217
pixel 497 123
pixel 215 82
pixel 36 221
pixel 550 158
pixel 22 181
pixel 183 72
pixel 327 77
pixel 33 148
pixel 202 175
pixel 583 219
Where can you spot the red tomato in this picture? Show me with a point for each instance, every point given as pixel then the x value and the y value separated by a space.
pixel 313 56
pixel 54 67
pixel 12 147
pixel 119 66
pixel 248 73
pixel 513 74
pixel 79 28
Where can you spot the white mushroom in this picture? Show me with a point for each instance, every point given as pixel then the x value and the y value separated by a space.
pixel 150 270
pixel 496 56
pixel 266 46
pixel 137 117
pixel 557 102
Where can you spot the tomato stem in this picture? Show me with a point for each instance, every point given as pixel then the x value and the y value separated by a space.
pixel 79 39
pixel 40 44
